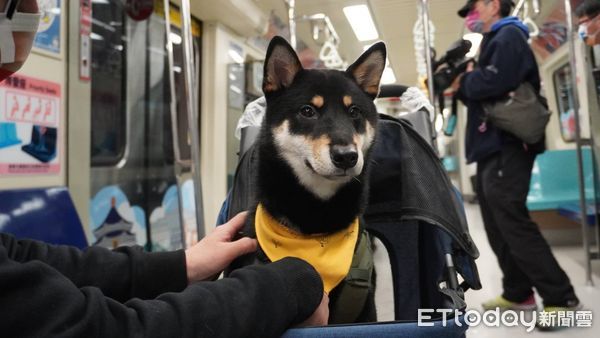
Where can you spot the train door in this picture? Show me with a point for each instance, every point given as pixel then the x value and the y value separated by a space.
pixel 137 178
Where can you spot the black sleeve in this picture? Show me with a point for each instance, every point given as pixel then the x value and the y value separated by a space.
pixel 256 301
pixel 502 74
pixel 121 274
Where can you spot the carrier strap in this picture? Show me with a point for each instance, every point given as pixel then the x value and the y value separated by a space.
pixel 354 289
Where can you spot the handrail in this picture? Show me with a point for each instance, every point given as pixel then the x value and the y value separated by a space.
pixel 291 8
pixel 523 7
pixel 428 61
pixel 329 53
pixel 192 110
pixel 578 142
pixel 174 125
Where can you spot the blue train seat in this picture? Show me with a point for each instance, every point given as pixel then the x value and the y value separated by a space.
pixel 554 179
pixel 553 199
pixel 44 214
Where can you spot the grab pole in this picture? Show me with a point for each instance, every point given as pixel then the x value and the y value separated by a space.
pixel 580 175
pixel 178 165
pixel 425 18
pixel 192 109
pixel 291 10
pixel 426 38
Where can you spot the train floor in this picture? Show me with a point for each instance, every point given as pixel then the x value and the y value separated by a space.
pixel 571 259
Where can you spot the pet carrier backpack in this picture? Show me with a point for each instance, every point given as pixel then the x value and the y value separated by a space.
pixel 418 216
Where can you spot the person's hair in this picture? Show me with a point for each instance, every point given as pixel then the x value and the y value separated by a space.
pixel 589 8
pixel 505 7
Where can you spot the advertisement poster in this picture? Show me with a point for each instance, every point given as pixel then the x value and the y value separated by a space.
pixel 47 39
pixel 29 124
pixel 553 31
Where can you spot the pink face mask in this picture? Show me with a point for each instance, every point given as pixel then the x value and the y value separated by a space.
pixel 473 22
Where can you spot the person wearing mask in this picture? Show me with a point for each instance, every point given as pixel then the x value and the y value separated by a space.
pixel 504 162
pixel 60 291
pixel 589 22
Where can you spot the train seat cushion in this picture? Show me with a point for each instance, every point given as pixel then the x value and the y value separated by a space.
pixel 554 179
pixel 44 214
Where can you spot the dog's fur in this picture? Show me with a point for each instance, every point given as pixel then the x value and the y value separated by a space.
pixel 315 119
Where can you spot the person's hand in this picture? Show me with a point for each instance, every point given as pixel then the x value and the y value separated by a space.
pixel 470 67
pixel 321 315
pixel 456 83
pixel 216 251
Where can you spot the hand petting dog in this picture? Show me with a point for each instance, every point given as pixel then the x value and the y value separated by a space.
pixel 216 251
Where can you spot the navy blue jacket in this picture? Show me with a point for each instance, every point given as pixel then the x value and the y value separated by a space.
pixel 505 61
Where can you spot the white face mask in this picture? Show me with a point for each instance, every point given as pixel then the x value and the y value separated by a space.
pixel 582 32
pixel 14 48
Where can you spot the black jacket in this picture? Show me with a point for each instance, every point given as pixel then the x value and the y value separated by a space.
pixel 505 61
pixel 60 291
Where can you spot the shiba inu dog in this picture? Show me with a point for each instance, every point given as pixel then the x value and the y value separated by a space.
pixel 313 160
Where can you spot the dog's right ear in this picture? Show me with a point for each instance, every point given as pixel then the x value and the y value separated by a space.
pixel 281 65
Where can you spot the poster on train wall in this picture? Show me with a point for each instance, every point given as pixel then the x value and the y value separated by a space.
pixel 552 33
pixel 29 126
pixel 47 39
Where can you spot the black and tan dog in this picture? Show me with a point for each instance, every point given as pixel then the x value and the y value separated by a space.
pixel 313 158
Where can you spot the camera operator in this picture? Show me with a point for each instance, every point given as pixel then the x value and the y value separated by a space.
pixel 504 162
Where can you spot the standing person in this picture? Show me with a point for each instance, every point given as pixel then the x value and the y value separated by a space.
pixel 504 162
pixel 61 291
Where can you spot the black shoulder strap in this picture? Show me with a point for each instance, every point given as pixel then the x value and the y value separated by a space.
pixel 354 289
pixel 243 192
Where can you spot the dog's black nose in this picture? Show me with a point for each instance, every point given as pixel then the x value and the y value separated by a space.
pixel 344 157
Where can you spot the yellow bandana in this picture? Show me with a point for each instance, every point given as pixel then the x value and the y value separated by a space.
pixel 331 255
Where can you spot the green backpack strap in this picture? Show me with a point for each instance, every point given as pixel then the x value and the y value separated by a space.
pixel 354 289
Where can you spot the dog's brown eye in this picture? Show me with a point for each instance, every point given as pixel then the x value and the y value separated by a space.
pixel 354 112
pixel 308 112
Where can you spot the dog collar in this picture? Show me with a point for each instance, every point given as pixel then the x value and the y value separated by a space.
pixel 330 254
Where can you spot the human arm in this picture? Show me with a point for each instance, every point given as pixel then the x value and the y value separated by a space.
pixel 502 73
pixel 121 274
pixel 256 301
pixel 124 273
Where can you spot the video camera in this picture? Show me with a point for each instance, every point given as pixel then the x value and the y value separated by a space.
pixel 455 64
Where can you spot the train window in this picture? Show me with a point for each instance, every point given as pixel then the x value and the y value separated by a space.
pixel 564 102
pixel 109 48
pixel 135 190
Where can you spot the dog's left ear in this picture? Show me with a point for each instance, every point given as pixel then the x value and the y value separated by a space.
pixel 368 68
pixel 281 65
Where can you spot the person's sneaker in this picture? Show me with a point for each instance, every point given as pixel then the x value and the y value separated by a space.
pixel 504 304
pixel 551 318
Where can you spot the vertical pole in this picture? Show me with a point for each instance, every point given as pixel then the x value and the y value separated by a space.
pixel 582 200
pixel 177 166
pixel 192 108
pixel 291 7
pixel 426 38
pixel 425 18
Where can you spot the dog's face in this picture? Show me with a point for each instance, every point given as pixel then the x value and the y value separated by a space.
pixel 322 121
